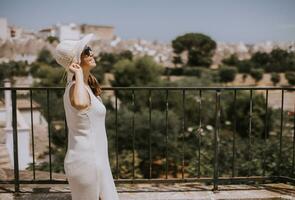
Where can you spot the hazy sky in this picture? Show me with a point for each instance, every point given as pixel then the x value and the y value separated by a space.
pixel 224 20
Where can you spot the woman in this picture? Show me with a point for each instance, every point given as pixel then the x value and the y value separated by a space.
pixel 86 163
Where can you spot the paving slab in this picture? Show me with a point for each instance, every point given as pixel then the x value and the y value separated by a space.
pixel 178 191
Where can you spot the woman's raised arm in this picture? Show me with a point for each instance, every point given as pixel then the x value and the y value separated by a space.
pixel 79 96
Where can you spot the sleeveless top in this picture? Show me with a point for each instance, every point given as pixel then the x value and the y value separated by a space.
pixel 87 137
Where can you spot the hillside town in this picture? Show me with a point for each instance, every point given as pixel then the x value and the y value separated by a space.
pixel 21 44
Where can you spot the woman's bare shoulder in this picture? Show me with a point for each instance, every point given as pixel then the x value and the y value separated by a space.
pixel 72 98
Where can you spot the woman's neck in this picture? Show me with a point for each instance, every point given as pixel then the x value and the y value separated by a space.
pixel 86 76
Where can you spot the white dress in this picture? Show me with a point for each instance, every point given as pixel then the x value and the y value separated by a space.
pixel 86 162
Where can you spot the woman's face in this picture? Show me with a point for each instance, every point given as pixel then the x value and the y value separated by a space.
pixel 87 59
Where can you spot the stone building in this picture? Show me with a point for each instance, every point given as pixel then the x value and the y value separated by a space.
pixel 101 32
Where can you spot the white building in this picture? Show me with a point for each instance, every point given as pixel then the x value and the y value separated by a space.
pixel 4 30
pixel 68 31
pixel 46 32
pixel 24 131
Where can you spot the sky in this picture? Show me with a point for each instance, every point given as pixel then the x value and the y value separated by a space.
pixel 234 21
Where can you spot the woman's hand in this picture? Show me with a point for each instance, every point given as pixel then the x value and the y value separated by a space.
pixel 75 68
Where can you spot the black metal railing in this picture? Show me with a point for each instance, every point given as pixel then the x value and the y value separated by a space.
pixel 215 179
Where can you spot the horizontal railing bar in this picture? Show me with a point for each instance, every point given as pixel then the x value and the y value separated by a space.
pixel 162 88
pixel 154 180
pixel 287 179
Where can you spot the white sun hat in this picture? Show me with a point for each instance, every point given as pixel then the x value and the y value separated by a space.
pixel 68 51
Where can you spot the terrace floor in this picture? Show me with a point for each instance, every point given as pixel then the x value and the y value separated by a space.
pixel 162 191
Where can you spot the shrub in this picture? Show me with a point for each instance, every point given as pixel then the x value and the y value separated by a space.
pixel 290 76
pixel 232 60
pixel 257 74
pixel 275 78
pixel 192 71
pixel 245 66
pixel 227 74
pixel 178 71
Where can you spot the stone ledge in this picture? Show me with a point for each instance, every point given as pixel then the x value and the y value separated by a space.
pixel 181 191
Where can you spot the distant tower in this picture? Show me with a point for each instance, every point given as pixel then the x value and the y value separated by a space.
pixel 4 33
pixel 23 133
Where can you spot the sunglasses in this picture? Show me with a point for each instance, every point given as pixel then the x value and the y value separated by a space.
pixel 86 51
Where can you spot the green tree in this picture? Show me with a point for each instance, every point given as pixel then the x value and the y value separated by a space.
pixel 290 76
pixel 242 114
pixel 200 48
pixel 257 74
pixel 275 78
pixel 177 60
pixel 126 54
pixel 45 56
pixel 52 39
pixel 142 71
pixel 145 134
pixel 279 58
pixel 279 61
pixel 232 60
pixel 261 59
pixel 245 66
pixel 49 76
pixel 192 71
pixel 244 77
pixel 227 74
pixel 108 60
pixel 139 72
pixel 12 69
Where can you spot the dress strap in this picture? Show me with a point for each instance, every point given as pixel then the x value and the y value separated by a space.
pixel 99 98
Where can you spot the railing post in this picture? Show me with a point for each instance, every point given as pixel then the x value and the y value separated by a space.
pixel 281 134
pixel 15 142
pixel 216 140
pixel 293 147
